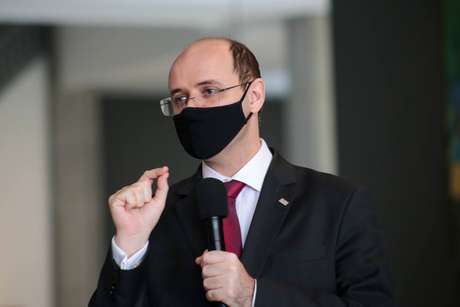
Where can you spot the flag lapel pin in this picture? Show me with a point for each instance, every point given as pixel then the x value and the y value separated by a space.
pixel 283 201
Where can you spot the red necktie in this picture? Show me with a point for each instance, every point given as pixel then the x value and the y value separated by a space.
pixel 232 232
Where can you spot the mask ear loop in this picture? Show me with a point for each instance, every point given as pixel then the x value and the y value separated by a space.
pixel 242 98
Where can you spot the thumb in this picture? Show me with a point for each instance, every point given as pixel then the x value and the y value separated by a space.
pixel 159 197
pixel 155 206
pixel 162 188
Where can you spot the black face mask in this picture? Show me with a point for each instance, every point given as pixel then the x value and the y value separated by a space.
pixel 204 132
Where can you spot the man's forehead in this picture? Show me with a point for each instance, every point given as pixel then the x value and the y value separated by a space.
pixel 209 55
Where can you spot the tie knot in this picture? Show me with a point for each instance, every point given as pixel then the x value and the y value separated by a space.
pixel 233 187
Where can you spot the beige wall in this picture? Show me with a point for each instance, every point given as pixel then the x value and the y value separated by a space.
pixel 81 208
pixel 310 130
pixel 26 270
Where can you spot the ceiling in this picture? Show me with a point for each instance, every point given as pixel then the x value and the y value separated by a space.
pixel 196 13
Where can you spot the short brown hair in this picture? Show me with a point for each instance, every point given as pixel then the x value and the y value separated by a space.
pixel 245 63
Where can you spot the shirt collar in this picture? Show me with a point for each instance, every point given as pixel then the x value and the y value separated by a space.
pixel 251 174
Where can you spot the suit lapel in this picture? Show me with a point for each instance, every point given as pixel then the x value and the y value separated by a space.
pixel 187 214
pixel 279 183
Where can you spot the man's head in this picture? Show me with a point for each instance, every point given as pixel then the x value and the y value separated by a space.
pixel 245 64
pixel 218 72
pixel 214 61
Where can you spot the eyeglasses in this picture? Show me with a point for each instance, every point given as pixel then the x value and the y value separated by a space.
pixel 209 95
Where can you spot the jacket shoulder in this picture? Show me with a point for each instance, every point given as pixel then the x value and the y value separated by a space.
pixel 324 184
pixel 332 196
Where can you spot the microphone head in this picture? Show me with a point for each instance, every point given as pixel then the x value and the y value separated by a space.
pixel 211 197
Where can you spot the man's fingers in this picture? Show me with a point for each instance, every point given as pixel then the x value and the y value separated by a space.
pixel 215 295
pixel 199 259
pixel 139 190
pixel 147 188
pixel 212 283
pixel 153 173
pixel 216 257
pixel 115 201
pixel 162 187
pixel 130 198
pixel 212 270
pixel 140 193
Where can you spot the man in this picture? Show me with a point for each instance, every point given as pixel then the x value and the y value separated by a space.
pixel 295 237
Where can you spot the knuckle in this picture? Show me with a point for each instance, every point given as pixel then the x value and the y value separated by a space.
pixel 136 186
pixel 148 173
pixel 130 197
pixel 139 189
pixel 212 295
pixel 230 292
pixel 145 183
pixel 113 199
pixel 135 190
pixel 232 257
pixel 128 188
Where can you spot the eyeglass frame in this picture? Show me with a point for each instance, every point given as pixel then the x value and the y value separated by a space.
pixel 163 100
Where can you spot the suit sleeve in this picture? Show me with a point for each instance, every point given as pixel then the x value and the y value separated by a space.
pixel 120 288
pixel 361 274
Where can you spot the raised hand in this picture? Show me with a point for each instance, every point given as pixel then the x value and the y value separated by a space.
pixel 136 210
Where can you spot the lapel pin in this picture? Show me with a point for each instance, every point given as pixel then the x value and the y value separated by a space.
pixel 283 202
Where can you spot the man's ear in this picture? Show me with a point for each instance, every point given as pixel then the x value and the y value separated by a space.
pixel 256 95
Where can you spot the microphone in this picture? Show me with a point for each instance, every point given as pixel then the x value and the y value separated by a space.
pixel 211 198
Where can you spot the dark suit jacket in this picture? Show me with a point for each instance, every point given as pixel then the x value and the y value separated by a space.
pixel 322 249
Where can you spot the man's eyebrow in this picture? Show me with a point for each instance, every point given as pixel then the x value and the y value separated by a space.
pixel 174 91
pixel 209 82
pixel 205 82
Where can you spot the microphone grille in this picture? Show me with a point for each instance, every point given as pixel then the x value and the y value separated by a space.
pixel 211 198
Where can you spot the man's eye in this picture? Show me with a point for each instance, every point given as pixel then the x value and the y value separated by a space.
pixel 180 99
pixel 209 91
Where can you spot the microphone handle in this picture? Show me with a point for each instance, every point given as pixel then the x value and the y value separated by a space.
pixel 216 240
pixel 215 234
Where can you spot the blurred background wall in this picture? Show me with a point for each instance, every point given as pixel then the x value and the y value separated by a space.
pixel 354 89
pixel 26 217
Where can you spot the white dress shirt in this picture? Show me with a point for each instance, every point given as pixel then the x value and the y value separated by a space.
pixel 252 174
